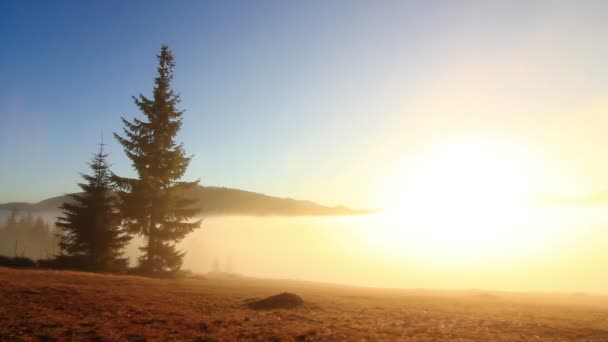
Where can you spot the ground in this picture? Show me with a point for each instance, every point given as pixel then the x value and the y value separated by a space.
pixel 60 305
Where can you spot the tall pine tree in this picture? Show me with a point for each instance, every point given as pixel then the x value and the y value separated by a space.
pixel 90 229
pixel 153 205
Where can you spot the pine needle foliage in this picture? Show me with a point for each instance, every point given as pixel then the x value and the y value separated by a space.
pixel 152 205
pixel 90 229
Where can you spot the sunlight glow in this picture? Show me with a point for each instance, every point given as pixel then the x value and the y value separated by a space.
pixel 464 201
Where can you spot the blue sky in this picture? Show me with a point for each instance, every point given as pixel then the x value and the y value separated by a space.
pixel 302 99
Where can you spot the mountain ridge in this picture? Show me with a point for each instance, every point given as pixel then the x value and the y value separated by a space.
pixel 221 201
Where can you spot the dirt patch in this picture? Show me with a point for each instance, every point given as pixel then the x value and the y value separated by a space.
pixel 283 300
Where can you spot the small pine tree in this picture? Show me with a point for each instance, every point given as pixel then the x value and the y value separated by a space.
pixel 90 229
pixel 153 205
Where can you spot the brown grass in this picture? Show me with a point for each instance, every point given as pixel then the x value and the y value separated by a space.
pixel 60 305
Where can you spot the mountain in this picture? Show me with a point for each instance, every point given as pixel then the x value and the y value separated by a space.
pixel 221 201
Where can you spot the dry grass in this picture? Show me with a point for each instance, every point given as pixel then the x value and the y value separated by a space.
pixel 59 305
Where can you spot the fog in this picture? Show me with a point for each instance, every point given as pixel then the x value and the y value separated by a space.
pixel 560 249
pixel 345 250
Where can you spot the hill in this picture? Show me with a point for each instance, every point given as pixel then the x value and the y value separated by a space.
pixel 221 201
pixel 60 305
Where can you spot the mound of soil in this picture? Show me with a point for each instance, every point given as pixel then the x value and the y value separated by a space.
pixel 283 300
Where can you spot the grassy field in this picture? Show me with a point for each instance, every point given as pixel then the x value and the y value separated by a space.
pixel 60 305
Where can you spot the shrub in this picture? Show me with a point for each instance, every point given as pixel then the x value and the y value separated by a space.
pixel 23 262
pixel 70 262
pixel 6 261
pixel 46 263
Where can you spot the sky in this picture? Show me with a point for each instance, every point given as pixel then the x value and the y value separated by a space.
pixel 317 100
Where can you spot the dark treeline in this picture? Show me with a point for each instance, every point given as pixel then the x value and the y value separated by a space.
pixel 24 235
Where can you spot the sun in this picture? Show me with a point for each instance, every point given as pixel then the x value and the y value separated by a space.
pixel 461 200
pixel 469 175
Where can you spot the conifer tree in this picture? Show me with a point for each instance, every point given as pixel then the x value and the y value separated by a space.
pixel 90 229
pixel 152 204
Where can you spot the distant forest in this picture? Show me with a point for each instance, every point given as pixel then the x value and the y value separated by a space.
pixel 28 236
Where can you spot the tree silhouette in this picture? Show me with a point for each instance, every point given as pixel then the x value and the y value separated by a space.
pixel 90 229
pixel 151 204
